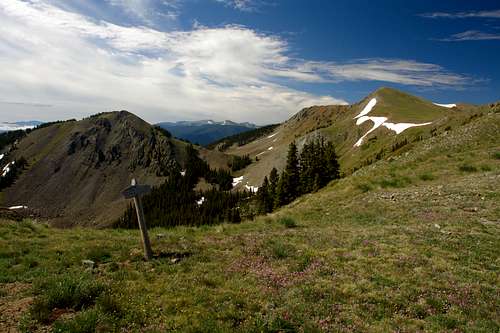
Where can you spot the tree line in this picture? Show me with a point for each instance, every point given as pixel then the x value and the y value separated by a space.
pixel 242 138
pixel 176 202
pixel 315 166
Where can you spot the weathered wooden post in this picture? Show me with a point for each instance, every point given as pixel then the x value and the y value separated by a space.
pixel 135 192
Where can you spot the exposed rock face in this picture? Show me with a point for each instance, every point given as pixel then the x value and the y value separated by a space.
pixel 111 142
pixel 77 169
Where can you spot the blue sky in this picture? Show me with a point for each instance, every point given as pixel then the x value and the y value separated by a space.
pixel 245 60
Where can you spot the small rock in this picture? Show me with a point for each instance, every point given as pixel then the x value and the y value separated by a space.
pixel 88 263
pixel 471 209
pixel 174 260
pixel 437 226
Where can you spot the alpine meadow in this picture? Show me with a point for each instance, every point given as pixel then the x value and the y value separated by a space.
pixel 249 166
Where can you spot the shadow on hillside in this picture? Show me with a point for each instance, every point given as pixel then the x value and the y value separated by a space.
pixel 174 256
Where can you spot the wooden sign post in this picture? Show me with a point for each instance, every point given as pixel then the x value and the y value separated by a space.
pixel 135 192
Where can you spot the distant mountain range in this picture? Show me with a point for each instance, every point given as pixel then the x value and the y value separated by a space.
pixel 20 125
pixel 204 132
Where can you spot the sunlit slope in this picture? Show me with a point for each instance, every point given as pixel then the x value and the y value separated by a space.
pixel 339 124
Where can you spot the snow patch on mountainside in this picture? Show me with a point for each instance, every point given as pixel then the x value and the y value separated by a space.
pixel 382 121
pixel 6 169
pixel 368 108
pixel 449 106
pixel 377 122
pixel 18 207
pixel 251 188
pixel 237 180
pixel 400 127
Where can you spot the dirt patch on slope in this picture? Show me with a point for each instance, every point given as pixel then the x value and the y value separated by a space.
pixel 14 302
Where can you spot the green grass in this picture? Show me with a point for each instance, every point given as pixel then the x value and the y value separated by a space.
pixel 411 256
pixel 84 322
pixel 74 292
pixel 365 187
pixel 288 222
pixel 401 107
pixel 99 254
pixel 427 177
pixel 395 181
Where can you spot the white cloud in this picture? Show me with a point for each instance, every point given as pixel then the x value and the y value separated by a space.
pixel 471 35
pixel 243 5
pixel 405 72
pixel 80 66
pixel 471 14
pixel 468 35
pixel 146 10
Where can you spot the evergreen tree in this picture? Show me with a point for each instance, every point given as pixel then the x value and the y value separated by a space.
pixel 290 178
pixel 331 162
pixel 313 169
pixel 264 197
pixel 273 182
pixel 280 195
pixel 307 161
pixel 175 202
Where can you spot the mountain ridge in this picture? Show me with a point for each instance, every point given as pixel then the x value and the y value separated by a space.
pixel 77 169
pixel 204 132
pixel 339 124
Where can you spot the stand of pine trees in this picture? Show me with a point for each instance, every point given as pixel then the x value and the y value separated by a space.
pixel 240 162
pixel 306 172
pixel 175 202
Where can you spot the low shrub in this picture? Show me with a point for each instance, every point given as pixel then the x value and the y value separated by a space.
pixel 99 254
pixel 485 167
pixel 85 322
pixel 467 168
pixel 365 187
pixel 279 250
pixel 427 176
pixel 395 181
pixel 288 222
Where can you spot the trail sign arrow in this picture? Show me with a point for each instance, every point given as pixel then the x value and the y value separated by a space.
pixel 136 191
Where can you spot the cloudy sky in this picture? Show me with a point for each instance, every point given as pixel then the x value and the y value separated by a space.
pixel 244 60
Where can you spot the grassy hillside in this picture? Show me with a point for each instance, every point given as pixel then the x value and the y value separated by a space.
pixel 401 107
pixel 409 243
pixel 337 124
